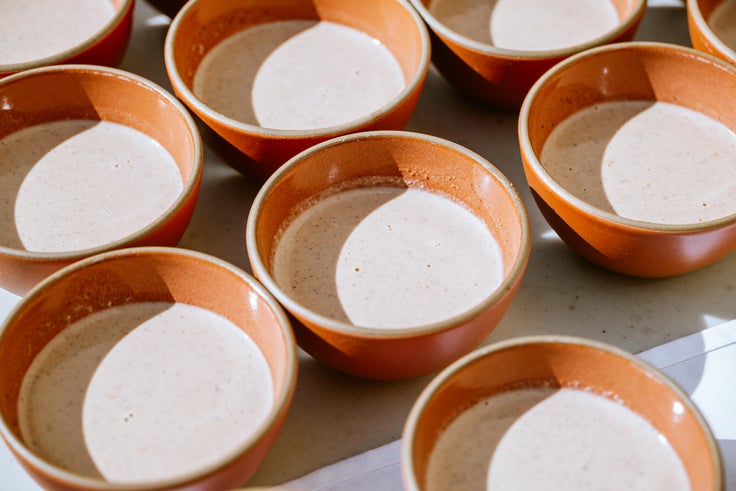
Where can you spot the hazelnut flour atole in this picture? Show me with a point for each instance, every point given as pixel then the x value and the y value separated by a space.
pixel 564 438
pixel 76 184
pixel 144 392
pixel 722 22
pixel 536 25
pixel 650 161
pixel 298 75
pixel 387 257
pixel 35 29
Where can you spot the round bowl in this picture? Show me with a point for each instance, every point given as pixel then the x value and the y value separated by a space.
pixel 500 77
pixel 398 161
pixel 123 279
pixel 237 132
pixel 702 34
pixel 102 44
pixel 91 95
pixel 556 362
pixel 644 246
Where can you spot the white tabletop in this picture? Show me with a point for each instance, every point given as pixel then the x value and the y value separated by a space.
pixel 334 416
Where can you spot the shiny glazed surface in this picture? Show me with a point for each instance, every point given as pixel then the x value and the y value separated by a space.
pixel 701 34
pixel 148 275
pixel 404 158
pixel 629 71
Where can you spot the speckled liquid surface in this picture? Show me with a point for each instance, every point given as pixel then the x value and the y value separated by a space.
pixel 527 24
pixel 553 439
pixel 35 29
pixel 72 185
pixel 144 392
pixel 722 22
pixel 298 75
pixel 654 162
pixel 387 257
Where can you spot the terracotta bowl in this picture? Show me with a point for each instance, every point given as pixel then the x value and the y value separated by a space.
pixel 627 72
pixel 564 362
pixel 501 77
pixel 94 93
pixel 402 160
pixel 241 139
pixel 147 274
pixel 105 47
pixel 702 36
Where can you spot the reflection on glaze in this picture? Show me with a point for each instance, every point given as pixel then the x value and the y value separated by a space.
pixel 654 162
pixel 144 392
pixel 560 439
pixel 35 29
pixel 535 25
pixel 75 184
pixel 387 257
pixel 298 75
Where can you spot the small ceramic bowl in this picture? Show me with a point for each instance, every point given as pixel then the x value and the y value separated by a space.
pixel 601 232
pixel 496 76
pixel 708 32
pixel 90 95
pixel 98 37
pixel 121 279
pixel 398 161
pixel 553 362
pixel 255 143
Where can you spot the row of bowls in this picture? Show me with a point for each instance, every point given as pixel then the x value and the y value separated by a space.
pixel 659 72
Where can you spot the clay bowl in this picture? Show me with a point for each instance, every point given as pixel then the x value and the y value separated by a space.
pixel 151 274
pixel 255 144
pixel 400 161
pixel 500 77
pixel 557 362
pixel 102 45
pixel 594 226
pixel 702 34
pixel 93 94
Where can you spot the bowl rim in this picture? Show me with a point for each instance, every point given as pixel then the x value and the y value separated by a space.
pixel 281 401
pixel 415 413
pixel 126 8
pixel 541 172
pixel 693 10
pixel 187 94
pixel 632 18
pixel 189 187
pixel 515 272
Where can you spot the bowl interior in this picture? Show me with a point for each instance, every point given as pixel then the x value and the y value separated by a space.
pixel 141 275
pixel 565 364
pixel 395 159
pixel 624 72
pixel 205 23
pixel 79 92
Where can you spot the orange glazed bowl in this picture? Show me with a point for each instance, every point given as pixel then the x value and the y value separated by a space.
pixel 655 211
pixel 711 26
pixel 377 298
pixel 499 73
pixel 35 35
pixel 538 372
pixel 157 355
pixel 268 81
pixel 81 147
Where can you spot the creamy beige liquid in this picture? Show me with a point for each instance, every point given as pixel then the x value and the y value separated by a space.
pixel 35 29
pixel 144 392
pixel 298 75
pixel 535 25
pixel 722 22
pixel 387 257
pixel 654 162
pixel 557 439
pixel 72 185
